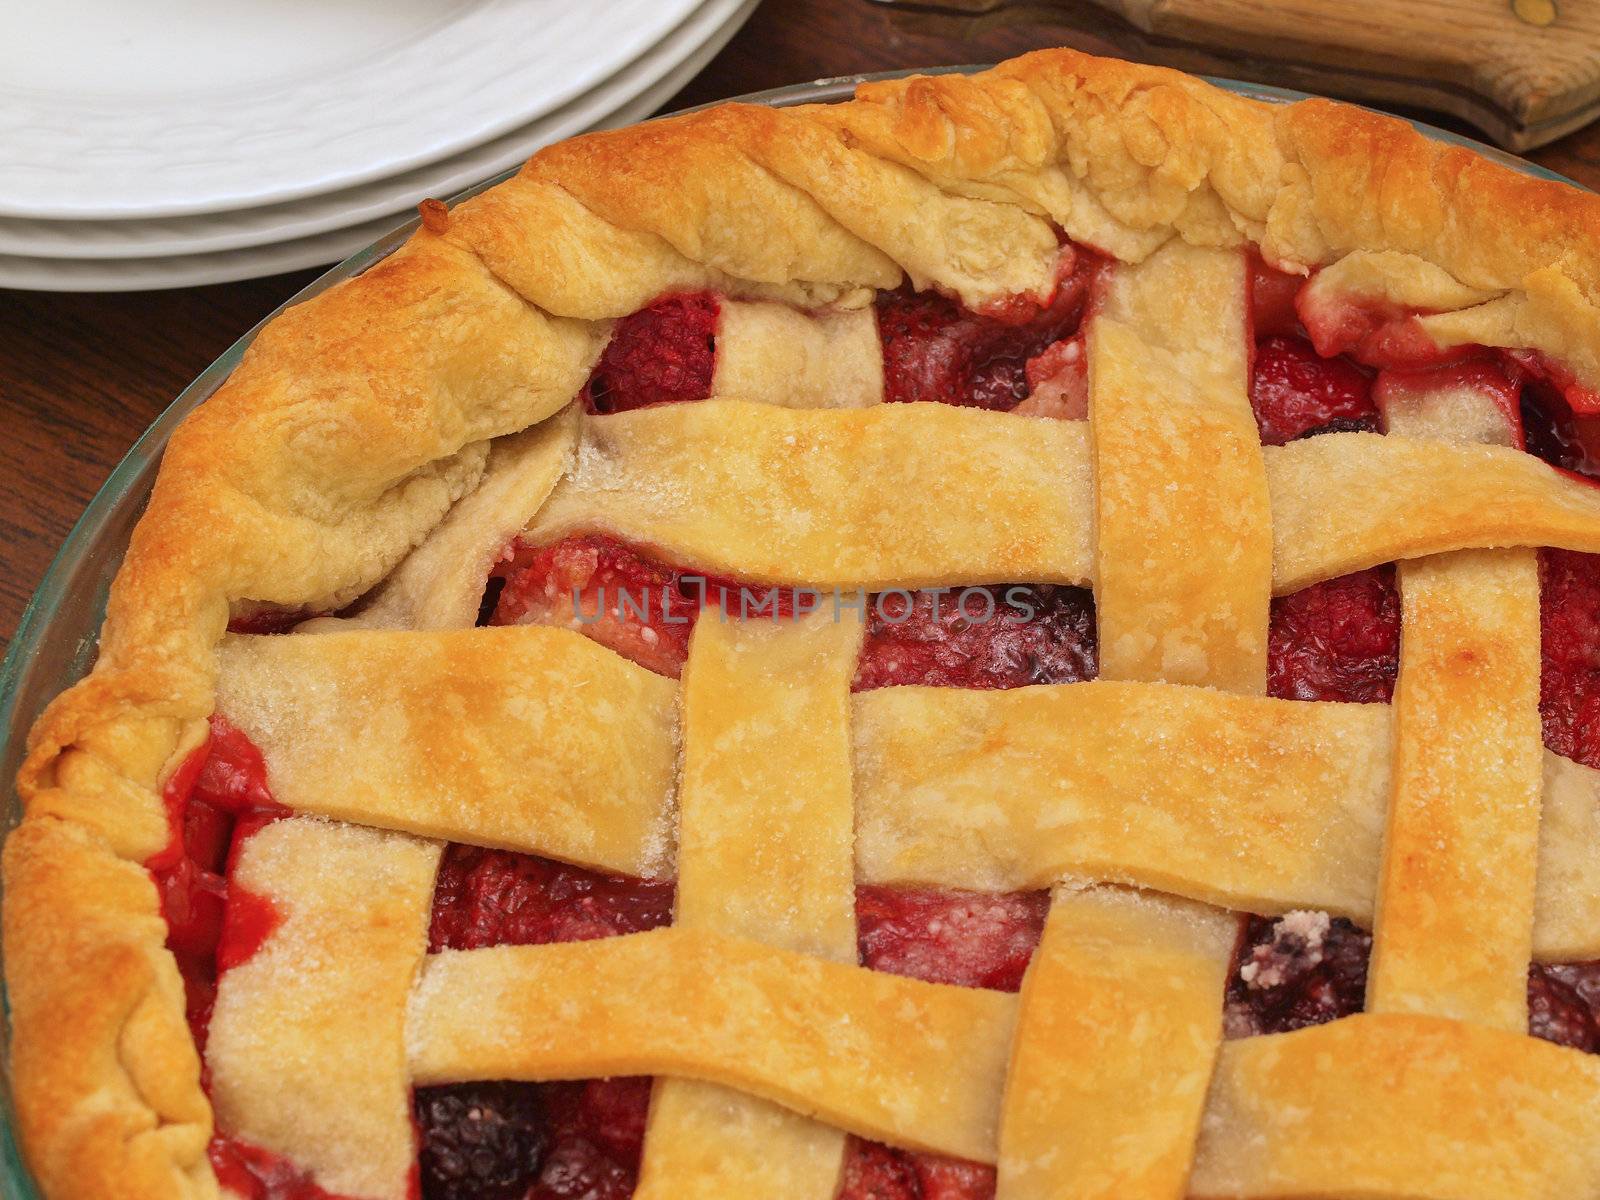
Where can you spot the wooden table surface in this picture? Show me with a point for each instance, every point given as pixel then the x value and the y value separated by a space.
pixel 81 376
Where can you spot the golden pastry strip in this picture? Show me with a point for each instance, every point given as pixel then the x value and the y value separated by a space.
pixel 307 1036
pixel 1398 1106
pixel 1183 550
pixel 896 495
pixel 932 495
pixel 1249 803
pixel 1454 925
pixel 1454 919
pixel 915 1064
pixel 765 851
pixel 1346 501
pixel 1002 791
pixel 494 736
pixel 777 354
pixel 1121 1010
pixel 1120 1013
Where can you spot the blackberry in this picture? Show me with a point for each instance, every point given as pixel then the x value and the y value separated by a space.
pixel 481 1141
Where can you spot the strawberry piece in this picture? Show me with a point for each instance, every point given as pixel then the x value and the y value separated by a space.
pixel 1058 382
pixel 1295 392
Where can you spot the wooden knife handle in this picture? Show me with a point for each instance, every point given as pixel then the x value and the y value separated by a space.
pixel 1525 71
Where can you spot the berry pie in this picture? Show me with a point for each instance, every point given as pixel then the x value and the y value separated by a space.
pixel 1031 635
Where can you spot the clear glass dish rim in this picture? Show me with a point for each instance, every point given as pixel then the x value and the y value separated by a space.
pixel 129 481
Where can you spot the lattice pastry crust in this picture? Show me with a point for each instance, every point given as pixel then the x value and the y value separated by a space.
pixel 386 439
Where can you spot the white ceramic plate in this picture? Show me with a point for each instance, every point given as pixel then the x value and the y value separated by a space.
pixel 627 99
pixel 235 229
pixel 110 109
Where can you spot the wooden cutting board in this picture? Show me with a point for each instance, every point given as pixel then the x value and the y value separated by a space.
pixel 1523 71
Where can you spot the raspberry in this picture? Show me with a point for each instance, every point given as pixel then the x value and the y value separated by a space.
pixel 596 1137
pixel 1336 640
pixel 498 897
pixel 1294 391
pixel 936 350
pixel 1281 980
pixel 1559 1010
pixel 1569 620
pixel 662 354
pixel 873 1171
pixel 1013 636
pixel 480 1141
pixel 970 939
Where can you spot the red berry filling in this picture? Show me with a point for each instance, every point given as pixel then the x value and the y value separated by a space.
pixel 1564 1004
pixel 641 608
pixel 1569 619
pixel 1272 295
pixel 1294 392
pixel 873 1171
pixel 256 1174
pixel 269 620
pixel 1303 969
pixel 936 350
pixel 1553 432
pixel 1058 382
pixel 215 800
pixel 532 1141
pixel 1557 377
pixel 499 898
pixel 970 939
pixel 663 354
pixel 977 637
pixel 1336 640
pixel 1306 968
pixel 989 637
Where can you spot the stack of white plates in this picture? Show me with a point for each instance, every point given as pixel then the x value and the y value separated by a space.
pixel 178 142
